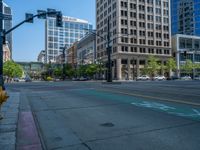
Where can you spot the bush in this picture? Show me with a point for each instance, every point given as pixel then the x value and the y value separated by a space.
pixel 49 79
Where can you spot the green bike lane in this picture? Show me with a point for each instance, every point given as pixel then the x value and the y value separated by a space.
pixel 172 107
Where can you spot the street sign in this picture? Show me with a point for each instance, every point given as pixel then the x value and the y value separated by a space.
pixel 29 18
pixel 42 14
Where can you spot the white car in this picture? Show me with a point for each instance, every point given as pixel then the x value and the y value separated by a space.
pixel 186 78
pixel 144 77
pixel 159 78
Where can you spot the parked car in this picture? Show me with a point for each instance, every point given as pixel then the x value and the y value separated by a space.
pixel 197 77
pixel 83 79
pixel 75 79
pixel 16 79
pixel 186 78
pixel 27 79
pixel 159 78
pixel 143 77
pixel 173 78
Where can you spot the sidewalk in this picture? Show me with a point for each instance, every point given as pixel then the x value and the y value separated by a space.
pixel 8 125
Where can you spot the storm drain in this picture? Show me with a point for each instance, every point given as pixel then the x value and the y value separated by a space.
pixel 107 124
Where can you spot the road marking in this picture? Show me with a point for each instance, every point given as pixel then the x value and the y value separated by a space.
pixel 151 97
pixel 177 110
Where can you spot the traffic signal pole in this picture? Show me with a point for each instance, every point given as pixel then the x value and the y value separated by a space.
pixel 1 45
pixel 29 18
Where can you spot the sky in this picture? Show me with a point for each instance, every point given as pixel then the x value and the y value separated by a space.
pixel 29 39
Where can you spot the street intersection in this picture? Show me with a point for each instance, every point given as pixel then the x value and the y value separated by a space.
pixel 90 115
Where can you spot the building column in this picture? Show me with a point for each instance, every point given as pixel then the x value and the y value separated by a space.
pixel 137 66
pixel 129 69
pixel 119 70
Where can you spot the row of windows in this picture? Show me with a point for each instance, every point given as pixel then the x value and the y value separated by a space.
pixel 69 25
pixel 144 50
pixel 138 50
pixel 132 5
pixel 133 15
pixel 144 33
pixel 143 41
pixel 132 23
pixel 190 57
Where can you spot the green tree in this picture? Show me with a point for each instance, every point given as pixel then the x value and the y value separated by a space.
pixel 170 65
pixel 57 72
pixel 92 69
pixel 188 67
pixel 69 70
pixel 152 66
pixel 12 69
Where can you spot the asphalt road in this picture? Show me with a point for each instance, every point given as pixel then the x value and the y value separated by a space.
pixel 95 116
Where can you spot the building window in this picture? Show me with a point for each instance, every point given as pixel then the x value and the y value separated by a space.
pixel 142 50
pixel 151 50
pixel 124 49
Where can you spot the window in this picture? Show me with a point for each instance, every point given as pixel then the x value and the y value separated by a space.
pixel 142 50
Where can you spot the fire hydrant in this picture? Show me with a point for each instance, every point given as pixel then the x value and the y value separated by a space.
pixel 3 97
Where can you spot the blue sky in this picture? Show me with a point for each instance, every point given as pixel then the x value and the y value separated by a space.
pixel 28 39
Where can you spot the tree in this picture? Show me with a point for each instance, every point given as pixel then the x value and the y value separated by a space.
pixel 12 69
pixel 69 70
pixel 152 66
pixel 171 65
pixel 188 67
pixel 92 69
pixel 57 72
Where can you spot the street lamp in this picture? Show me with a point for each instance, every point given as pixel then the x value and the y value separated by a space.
pixel 63 61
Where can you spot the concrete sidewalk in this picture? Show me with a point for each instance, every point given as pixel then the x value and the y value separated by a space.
pixel 8 125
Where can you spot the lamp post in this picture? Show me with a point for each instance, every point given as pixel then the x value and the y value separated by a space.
pixel 63 61
pixel 1 44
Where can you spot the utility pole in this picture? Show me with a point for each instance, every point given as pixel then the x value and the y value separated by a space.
pixel 1 45
pixel 64 63
pixel 109 48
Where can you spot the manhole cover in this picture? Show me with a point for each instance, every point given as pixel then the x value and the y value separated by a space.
pixel 107 124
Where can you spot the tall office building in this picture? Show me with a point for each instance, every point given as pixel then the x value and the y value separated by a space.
pixel 185 17
pixel 7 24
pixel 139 28
pixel 58 37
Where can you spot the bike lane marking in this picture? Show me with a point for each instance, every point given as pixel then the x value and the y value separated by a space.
pixel 146 102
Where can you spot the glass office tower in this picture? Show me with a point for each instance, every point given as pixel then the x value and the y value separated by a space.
pixel 185 17
pixel 7 24
pixel 58 37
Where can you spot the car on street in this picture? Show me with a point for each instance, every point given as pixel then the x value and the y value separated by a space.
pixel 197 77
pixel 83 79
pixel 186 78
pixel 159 78
pixel 143 77
pixel 75 79
pixel 16 79
pixel 27 79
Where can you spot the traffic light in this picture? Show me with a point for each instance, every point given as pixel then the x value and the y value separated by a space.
pixel 3 96
pixel 59 22
pixel 29 18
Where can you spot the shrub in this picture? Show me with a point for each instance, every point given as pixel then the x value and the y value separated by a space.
pixel 49 79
